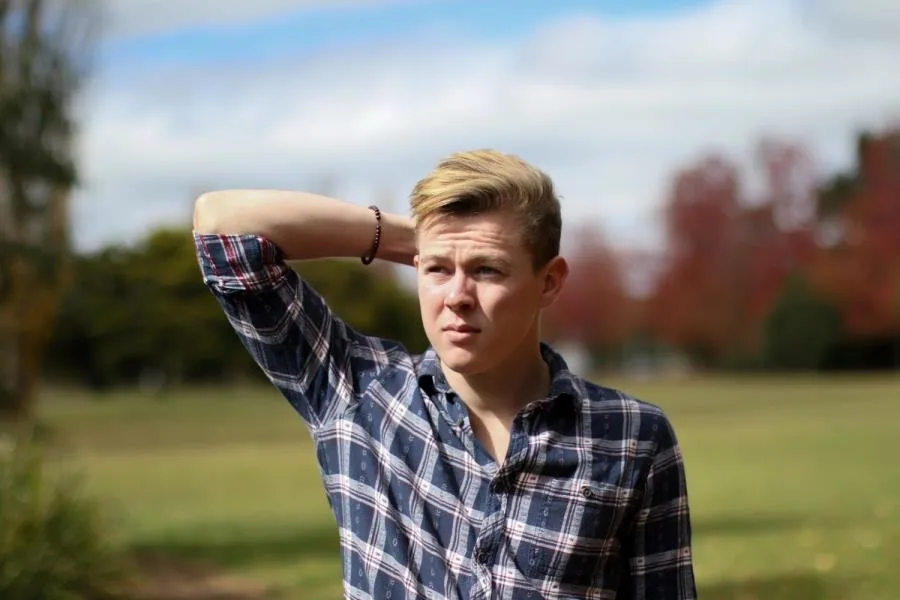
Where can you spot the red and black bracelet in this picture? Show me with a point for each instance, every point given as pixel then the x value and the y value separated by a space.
pixel 367 259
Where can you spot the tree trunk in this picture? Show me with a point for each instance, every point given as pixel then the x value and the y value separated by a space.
pixel 16 344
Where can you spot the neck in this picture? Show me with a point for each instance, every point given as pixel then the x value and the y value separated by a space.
pixel 504 390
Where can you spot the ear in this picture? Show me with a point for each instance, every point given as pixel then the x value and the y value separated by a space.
pixel 416 261
pixel 554 275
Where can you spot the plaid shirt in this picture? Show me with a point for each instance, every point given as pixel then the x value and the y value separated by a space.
pixel 590 501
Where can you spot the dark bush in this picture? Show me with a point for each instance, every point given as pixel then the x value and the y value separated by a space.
pixel 53 544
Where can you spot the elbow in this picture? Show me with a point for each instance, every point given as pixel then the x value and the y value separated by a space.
pixel 208 213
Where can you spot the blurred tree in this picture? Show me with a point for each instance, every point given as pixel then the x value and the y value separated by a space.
pixel 862 267
pixel 802 329
pixel 859 267
pixel 729 253
pixel 777 233
pixel 694 305
pixel 142 314
pixel 594 309
pixel 44 46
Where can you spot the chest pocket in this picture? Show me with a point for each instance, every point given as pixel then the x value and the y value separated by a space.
pixel 578 524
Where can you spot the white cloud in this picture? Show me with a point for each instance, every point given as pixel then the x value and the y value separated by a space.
pixel 866 17
pixel 141 17
pixel 608 108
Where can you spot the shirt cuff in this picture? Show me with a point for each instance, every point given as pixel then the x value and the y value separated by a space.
pixel 239 262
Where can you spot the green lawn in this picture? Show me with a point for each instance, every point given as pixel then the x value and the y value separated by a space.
pixel 794 483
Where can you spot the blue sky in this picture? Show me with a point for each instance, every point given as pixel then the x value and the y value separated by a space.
pixel 317 28
pixel 359 100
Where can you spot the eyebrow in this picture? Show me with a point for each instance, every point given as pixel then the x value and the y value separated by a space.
pixel 476 257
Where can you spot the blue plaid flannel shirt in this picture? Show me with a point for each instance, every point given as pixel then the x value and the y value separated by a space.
pixel 590 501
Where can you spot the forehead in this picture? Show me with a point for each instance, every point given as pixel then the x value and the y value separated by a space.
pixel 495 232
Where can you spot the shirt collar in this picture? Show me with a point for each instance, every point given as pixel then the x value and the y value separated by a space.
pixel 563 383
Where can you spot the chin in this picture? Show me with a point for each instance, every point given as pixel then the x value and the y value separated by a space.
pixel 462 360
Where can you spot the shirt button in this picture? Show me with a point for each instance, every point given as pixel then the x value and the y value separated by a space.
pixel 482 555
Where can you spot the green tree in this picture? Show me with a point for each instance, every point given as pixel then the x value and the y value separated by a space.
pixel 142 310
pixel 43 52
pixel 142 313
pixel 801 329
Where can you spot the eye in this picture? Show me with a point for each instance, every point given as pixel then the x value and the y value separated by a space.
pixel 487 270
pixel 436 269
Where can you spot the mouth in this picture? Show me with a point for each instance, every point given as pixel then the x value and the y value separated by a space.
pixel 460 329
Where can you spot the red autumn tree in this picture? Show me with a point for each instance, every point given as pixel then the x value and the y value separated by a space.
pixel 860 268
pixel 727 255
pixel 593 308
pixel 693 305
pixel 777 231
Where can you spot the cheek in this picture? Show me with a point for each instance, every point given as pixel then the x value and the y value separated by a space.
pixel 497 307
pixel 506 304
pixel 431 299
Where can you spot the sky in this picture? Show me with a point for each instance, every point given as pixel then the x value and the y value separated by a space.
pixel 359 99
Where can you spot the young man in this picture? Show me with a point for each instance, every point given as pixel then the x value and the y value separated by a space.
pixel 483 468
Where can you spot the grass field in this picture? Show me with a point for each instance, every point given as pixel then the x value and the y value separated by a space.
pixel 794 483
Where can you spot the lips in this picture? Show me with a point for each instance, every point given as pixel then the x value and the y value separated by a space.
pixel 461 328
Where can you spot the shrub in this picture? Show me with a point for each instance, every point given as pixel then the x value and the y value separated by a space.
pixel 52 541
pixel 802 328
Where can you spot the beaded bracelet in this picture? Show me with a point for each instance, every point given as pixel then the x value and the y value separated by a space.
pixel 367 259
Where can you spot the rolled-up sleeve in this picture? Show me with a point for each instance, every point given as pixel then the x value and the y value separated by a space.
pixel 311 356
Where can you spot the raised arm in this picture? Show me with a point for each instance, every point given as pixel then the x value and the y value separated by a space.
pixel 304 226
pixel 661 558
pixel 243 239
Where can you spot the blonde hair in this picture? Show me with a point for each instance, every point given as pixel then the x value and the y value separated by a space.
pixel 480 181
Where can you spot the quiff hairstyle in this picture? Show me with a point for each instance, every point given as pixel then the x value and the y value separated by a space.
pixel 482 181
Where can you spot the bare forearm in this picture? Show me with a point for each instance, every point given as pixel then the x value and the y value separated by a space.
pixel 303 225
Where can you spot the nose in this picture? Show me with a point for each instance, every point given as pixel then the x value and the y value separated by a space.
pixel 459 295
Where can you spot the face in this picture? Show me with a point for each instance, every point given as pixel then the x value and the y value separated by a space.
pixel 479 293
